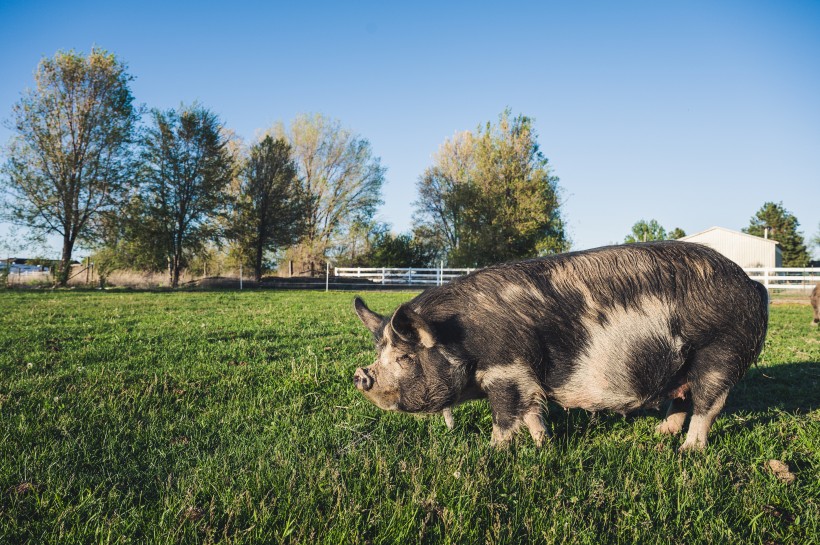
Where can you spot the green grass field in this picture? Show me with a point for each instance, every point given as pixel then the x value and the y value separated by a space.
pixel 230 417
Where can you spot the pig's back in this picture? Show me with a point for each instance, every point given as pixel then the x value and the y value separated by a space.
pixel 609 328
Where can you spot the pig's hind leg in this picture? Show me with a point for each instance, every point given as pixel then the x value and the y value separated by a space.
pixel 715 369
pixel 675 417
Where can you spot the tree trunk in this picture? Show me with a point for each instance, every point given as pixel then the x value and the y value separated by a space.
pixel 65 262
pixel 176 257
pixel 257 264
pixel 175 272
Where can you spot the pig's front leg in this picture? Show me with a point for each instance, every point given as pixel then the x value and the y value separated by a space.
pixel 515 398
pixel 504 429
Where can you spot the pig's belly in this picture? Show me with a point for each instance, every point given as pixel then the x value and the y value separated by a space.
pixel 596 394
pixel 626 364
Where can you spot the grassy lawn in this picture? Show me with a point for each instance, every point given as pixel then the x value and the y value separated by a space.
pixel 230 417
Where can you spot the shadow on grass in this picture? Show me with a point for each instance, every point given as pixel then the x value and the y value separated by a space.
pixel 789 387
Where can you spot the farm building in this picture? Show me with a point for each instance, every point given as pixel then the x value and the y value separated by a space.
pixel 746 250
pixel 22 265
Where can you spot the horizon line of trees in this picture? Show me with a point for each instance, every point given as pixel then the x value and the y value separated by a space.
pixel 159 190
pixel 165 190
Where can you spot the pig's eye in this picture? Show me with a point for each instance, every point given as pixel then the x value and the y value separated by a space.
pixel 405 359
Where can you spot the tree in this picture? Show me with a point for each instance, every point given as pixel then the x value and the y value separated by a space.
pixel 402 250
pixel 186 168
pixel 385 249
pixel 69 159
pixel 645 231
pixel 341 179
pixel 130 238
pixel 677 233
pixel 782 227
pixel 443 193
pixel 490 196
pixel 270 207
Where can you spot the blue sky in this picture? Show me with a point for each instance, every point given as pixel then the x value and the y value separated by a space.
pixel 691 113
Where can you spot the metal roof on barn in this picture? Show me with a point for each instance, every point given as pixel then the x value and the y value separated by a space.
pixel 746 250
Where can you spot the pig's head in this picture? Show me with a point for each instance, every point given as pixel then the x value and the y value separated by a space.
pixel 413 371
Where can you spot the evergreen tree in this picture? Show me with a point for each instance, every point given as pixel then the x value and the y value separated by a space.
pixel 270 209
pixel 676 233
pixel 187 167
pixel 782 227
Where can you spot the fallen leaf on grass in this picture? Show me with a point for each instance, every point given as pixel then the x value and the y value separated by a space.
pixel 23 487
pixel 780 470
pixel 193 513
pixel 781 514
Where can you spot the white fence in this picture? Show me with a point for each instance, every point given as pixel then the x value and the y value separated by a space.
pixel 773 278
pixel 397 276
pixel 786 278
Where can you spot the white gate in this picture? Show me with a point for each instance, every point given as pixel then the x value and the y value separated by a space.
pixel 785 278
pixel 398 276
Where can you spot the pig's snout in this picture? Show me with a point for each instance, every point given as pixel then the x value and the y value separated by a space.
pixel 362 379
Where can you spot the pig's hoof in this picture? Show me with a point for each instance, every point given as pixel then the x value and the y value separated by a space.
pixel 668 428
pixel 539 438
pixel 501 438
pixel 691 446
pixel 500 445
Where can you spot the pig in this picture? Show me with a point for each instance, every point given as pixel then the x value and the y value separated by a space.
pixel 815 304
pixel 617 328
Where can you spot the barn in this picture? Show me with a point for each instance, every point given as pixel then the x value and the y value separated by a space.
pixel 748 251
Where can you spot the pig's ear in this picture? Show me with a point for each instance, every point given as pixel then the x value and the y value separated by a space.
pixel 370 319
pixel 411 328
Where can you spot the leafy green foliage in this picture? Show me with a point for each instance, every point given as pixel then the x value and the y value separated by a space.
pixel 342 180
pixel 269 210
pixel 676 233
pixel 782 227
pixel 491 197
pixel 230 417
pixel 128 239
pixel 186 168
pixel 384 249
pixel 69 158
pixel 646 231
pixel 402 250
